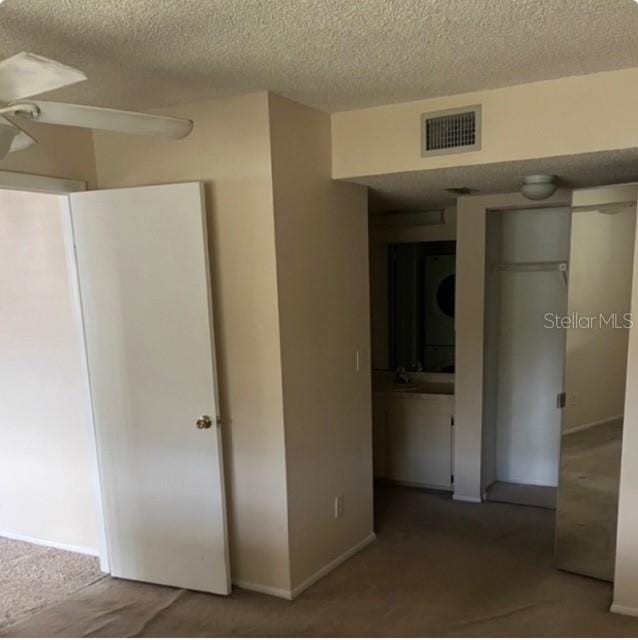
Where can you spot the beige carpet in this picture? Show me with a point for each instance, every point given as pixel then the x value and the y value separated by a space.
pixel 438 568
pixel 33 577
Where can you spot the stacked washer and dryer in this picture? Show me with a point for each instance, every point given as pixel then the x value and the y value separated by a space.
pixel 440 279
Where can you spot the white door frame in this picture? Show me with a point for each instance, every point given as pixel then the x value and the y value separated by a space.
pixel 63 186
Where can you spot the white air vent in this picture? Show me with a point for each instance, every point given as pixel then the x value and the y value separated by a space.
pixel 451 131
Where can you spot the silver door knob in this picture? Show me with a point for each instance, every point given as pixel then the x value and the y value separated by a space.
pixel 204 422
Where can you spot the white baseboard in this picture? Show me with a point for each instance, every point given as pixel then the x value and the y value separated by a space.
pixel 624 611
pixel 286 594
pixel 326 569
pixel 420 485
pixel 463 498
pixel 531 483
pixel 589 425
pixel 291 594
pixel 87 551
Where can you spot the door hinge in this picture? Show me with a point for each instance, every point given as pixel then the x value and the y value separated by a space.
pixel 561 400
pixel 451 421
pixel 452 479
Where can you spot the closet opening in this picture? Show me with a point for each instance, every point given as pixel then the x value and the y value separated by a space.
pixel 527 256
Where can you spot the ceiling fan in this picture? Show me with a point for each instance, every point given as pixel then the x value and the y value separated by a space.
pixel 26 74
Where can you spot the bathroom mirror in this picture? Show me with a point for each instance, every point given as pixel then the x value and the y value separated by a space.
pixel 421 292
pixel 599 297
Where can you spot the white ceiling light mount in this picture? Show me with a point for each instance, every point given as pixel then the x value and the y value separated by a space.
pixel 538 186
pixel 26 74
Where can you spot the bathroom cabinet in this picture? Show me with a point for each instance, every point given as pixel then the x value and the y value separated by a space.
pixel 413 438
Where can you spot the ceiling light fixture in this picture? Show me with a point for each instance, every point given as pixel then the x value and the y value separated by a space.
pixel 538 186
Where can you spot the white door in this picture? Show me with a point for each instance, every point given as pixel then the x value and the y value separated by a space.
pixel 144 280
pixel 420 442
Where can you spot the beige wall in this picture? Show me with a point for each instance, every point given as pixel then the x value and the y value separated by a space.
pixel 230 151
pixel 47 477
pixel 322 274
pixel 289 261
pixel 492 312
pixel 61 152
pixel 381 232
pixel 572 115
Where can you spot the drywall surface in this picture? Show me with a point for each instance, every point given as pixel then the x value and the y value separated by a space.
pixel 531 355
pixel 470 334
pixel 46 472
pixel 493 252
pixel 469 322
pixel 61 152
pixel 229 150
pixel 382 231
pixel 579 114
pixel 322 274
pixel 600 279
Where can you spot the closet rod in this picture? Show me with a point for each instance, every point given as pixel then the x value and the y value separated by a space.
pixel 531 266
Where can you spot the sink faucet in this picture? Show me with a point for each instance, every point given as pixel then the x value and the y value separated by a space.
pixel 401 376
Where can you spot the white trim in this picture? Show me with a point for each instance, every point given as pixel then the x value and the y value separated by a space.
pixel 286 594
pixel 325 570
pixel 41 184
pixel 623 610
pixel 87 551
pixel 448 488
pixel 78 319
pixel 463 498
pixel 291 594
pixel 590 425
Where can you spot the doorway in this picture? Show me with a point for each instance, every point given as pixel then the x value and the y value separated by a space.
pixel 527 253
pixel 50 515
pixel 133 264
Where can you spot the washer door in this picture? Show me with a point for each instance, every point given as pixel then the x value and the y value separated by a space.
pixel 440 287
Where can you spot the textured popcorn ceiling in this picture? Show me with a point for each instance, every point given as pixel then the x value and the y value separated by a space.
pixel 331 54
pixel 419 189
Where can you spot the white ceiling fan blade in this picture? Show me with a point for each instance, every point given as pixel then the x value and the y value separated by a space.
pixel 7 135
pixel 26 74
pixel 76 115
pixel 22 140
